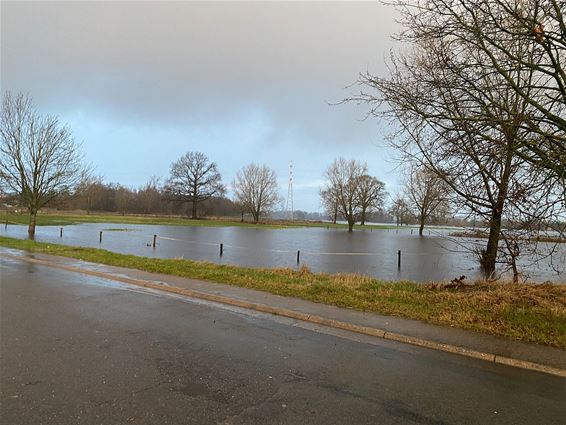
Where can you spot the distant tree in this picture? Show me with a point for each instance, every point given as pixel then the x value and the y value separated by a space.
pixel 343 179
pixel 329 204
pixel 149 199
pixel 371 195
pixel 39 159
pixel 88 191
pixel 400 210
pixel 123 198
pixel 256 190
pixel 194 179
pixel 426 194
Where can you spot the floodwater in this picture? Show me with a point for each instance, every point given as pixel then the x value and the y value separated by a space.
pixel 371 252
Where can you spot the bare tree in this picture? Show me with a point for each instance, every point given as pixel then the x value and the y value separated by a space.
pixel 508 37
pixel 342 184
pixel 256 189
pixel 330 204
pixel 89 189
pixel 371 195
pixel 39 159
pixel 426 193
pixel 149 198
pixel 460 118
pixel 193 178
pixel 399 209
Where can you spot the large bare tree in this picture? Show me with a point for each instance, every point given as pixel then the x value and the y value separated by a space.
pixel 460 118
pixel 343 179
pixel 194 179
pixel 39 158
pixel 508 37
pixel 256 190
pixel 426 193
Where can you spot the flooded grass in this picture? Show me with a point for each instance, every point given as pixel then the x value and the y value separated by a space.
pixel 61 219
pixel 534 313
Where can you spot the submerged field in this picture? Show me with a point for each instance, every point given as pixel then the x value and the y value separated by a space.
pixel 534 313
pixel 63 219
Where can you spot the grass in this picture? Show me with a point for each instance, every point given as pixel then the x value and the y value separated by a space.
pixel 534 313
pixel 63 219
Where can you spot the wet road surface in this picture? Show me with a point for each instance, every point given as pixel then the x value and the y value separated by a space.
pixel 81 350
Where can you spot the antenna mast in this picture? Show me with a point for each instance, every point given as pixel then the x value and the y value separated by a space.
pixel 290 208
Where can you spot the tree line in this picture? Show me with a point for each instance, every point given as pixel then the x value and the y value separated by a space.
pixel 42 165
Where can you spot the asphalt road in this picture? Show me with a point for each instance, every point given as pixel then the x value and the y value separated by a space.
pixel 81 350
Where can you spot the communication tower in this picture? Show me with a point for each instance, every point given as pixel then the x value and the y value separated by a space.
pixel 289 208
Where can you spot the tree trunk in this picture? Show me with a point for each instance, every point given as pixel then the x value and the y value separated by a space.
pixel 489 255
pixel 363 217
pixel 335 218
pixel 194 210
pixel 421 227
pixel 242 217
pixel 32 222
pixel 350 225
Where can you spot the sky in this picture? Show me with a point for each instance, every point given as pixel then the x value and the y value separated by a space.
pixel 142 83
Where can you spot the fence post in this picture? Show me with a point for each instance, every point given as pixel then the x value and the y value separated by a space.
pixel 221 249
pixel 399 259
pixel 100 237
pixel 298 256
pixel 6 225
pixel 154 240
pixel 61 233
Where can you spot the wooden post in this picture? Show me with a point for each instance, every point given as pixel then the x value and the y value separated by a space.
pixel 298 256
pixel 399 259
pixel 154 241
pixel 100 237
pixel 6 225
pixel 221 249
pixel 61 233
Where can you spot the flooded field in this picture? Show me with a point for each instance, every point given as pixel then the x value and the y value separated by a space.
pixel 433 257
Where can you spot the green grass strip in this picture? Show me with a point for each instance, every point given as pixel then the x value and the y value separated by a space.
pixel 534 313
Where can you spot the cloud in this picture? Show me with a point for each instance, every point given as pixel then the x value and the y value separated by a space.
pixel 175 75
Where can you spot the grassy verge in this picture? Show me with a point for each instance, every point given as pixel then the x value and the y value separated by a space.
pixel 532 313
pixel 61 219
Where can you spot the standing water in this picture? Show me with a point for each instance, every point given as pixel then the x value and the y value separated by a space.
pixel 374 252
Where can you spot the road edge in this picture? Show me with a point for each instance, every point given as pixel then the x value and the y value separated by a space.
pixel 318 320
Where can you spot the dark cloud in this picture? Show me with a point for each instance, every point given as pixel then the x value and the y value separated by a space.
pixel 186 64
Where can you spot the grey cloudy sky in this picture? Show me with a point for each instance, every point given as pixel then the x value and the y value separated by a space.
pixel 141 83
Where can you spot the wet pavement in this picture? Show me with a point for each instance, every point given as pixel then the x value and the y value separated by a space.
pixel 75 349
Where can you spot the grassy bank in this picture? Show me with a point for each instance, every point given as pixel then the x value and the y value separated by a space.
pixel 62 219
pixel 530 313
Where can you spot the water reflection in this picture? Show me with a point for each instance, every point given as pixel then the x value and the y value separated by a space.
pixel 433 257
